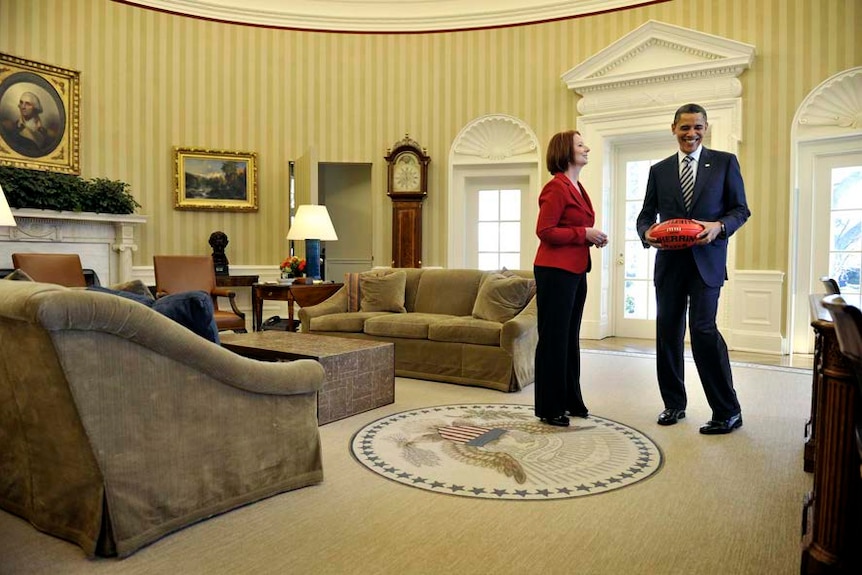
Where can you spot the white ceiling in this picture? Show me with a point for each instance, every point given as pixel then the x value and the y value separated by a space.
pixel 386 15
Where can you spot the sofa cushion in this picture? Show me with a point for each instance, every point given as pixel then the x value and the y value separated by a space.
pixel 382 292
pixel 501 298
pixel 350 322
pixel 407 325
pixel 447 291
pixel 466 330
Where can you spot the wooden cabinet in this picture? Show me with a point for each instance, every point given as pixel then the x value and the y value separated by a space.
pixel 406 233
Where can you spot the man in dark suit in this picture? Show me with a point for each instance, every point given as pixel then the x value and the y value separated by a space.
pixel 692 278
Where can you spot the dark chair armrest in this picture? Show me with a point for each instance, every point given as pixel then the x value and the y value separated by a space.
pixel 231 295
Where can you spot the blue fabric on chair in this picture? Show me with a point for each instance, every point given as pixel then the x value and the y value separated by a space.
pixel 191 309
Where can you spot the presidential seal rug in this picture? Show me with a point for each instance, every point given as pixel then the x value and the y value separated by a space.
pixel 502 451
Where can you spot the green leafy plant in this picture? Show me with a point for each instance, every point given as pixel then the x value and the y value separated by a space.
pixel 65 192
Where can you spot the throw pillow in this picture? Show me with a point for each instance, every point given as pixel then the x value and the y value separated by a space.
pixel 383 292
pixel 192 309
pixel 501 298
pixel 510 274
pixel 136 287
pixel 18 275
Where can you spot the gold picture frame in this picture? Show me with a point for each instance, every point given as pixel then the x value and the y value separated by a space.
pixel 39 116
pixel 215 180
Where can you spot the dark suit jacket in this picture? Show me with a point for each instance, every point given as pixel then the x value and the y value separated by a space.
pixel 719 195
pixel 564 215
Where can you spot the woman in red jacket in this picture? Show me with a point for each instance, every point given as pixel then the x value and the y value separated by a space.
pixel 566 232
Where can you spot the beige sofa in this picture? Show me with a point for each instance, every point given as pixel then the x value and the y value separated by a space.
pixel 118 425
pixel 462 326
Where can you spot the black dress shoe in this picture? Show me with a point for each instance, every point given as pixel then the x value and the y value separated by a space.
pixel 670 416
pixel 722 426
pixel 582 414
pixel 559 421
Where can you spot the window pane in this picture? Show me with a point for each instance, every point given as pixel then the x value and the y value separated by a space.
pixel 846 230
pixel 636 179
pixel 489 234
pixel 844 267
pixel 636 261
pixel 632 211
pixel 635 306
pixel 510 205
pixel 510 237
pixel 847 188
pixel 489 205
pixel 510 261
pixel 488 261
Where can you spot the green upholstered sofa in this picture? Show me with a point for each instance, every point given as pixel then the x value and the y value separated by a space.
pixel 118 425
pixel 451 325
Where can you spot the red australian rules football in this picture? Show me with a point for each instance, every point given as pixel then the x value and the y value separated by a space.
pixel 677 234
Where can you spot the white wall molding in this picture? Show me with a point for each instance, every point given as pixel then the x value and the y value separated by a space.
pixel 659 64
pixel 630 91
pixel 827 124
pixel 755 323
pixel 491 145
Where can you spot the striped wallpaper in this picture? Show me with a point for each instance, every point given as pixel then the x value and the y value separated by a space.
pixel 151 81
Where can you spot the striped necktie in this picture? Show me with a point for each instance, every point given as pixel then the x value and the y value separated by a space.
pixel 686 180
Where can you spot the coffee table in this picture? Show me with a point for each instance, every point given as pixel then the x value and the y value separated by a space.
pixel 360 374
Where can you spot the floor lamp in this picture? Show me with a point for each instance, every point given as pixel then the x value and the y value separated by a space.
pixel 312 224
pixel 6 217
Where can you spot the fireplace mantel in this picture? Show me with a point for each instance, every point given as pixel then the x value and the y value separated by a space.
pixel 104 242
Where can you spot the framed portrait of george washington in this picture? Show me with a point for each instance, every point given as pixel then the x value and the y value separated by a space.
pixel 39 115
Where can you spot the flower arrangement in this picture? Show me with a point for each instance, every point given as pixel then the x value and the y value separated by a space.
pixel 293 265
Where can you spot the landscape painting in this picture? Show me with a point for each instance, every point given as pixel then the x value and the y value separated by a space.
pixel 215 180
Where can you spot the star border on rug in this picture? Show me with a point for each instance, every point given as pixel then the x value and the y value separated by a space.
pixel 467 437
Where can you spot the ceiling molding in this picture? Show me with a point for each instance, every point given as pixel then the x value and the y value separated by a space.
pixel 386 16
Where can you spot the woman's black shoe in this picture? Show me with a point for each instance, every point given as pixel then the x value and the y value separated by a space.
pixel 583 414
pixel 559 421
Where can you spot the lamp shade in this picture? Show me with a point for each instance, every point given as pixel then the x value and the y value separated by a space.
pixel 6 217
pixel 312 223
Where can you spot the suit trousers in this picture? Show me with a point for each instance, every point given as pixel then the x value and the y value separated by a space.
pixel 681 288
pixel 560 298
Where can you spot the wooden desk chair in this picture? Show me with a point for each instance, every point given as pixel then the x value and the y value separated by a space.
pixel 175 274
pixel 62 269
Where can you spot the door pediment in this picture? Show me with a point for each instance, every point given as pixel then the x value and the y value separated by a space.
pixel 658 63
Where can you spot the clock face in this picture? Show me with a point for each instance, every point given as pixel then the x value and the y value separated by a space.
pixel 406 173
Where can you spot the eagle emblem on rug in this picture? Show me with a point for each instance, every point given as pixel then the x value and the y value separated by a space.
pixel 502 447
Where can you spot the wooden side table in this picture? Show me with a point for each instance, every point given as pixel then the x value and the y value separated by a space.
pixel 303 294
pixel 236 281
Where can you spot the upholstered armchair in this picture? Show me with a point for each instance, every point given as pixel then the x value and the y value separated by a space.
pixel 119 426
pixel 175 274
pixel 61 269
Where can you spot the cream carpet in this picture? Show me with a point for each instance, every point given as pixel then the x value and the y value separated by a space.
pixel 719 505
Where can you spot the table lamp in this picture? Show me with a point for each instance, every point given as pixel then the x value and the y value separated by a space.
pixel 312 224
pixel 6 217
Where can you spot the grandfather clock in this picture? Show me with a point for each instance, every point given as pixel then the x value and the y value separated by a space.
pixel 407 185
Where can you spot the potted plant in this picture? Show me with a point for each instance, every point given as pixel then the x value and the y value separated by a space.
pixel 65 192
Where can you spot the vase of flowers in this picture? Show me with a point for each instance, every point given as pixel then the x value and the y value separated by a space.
pixel 292 267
